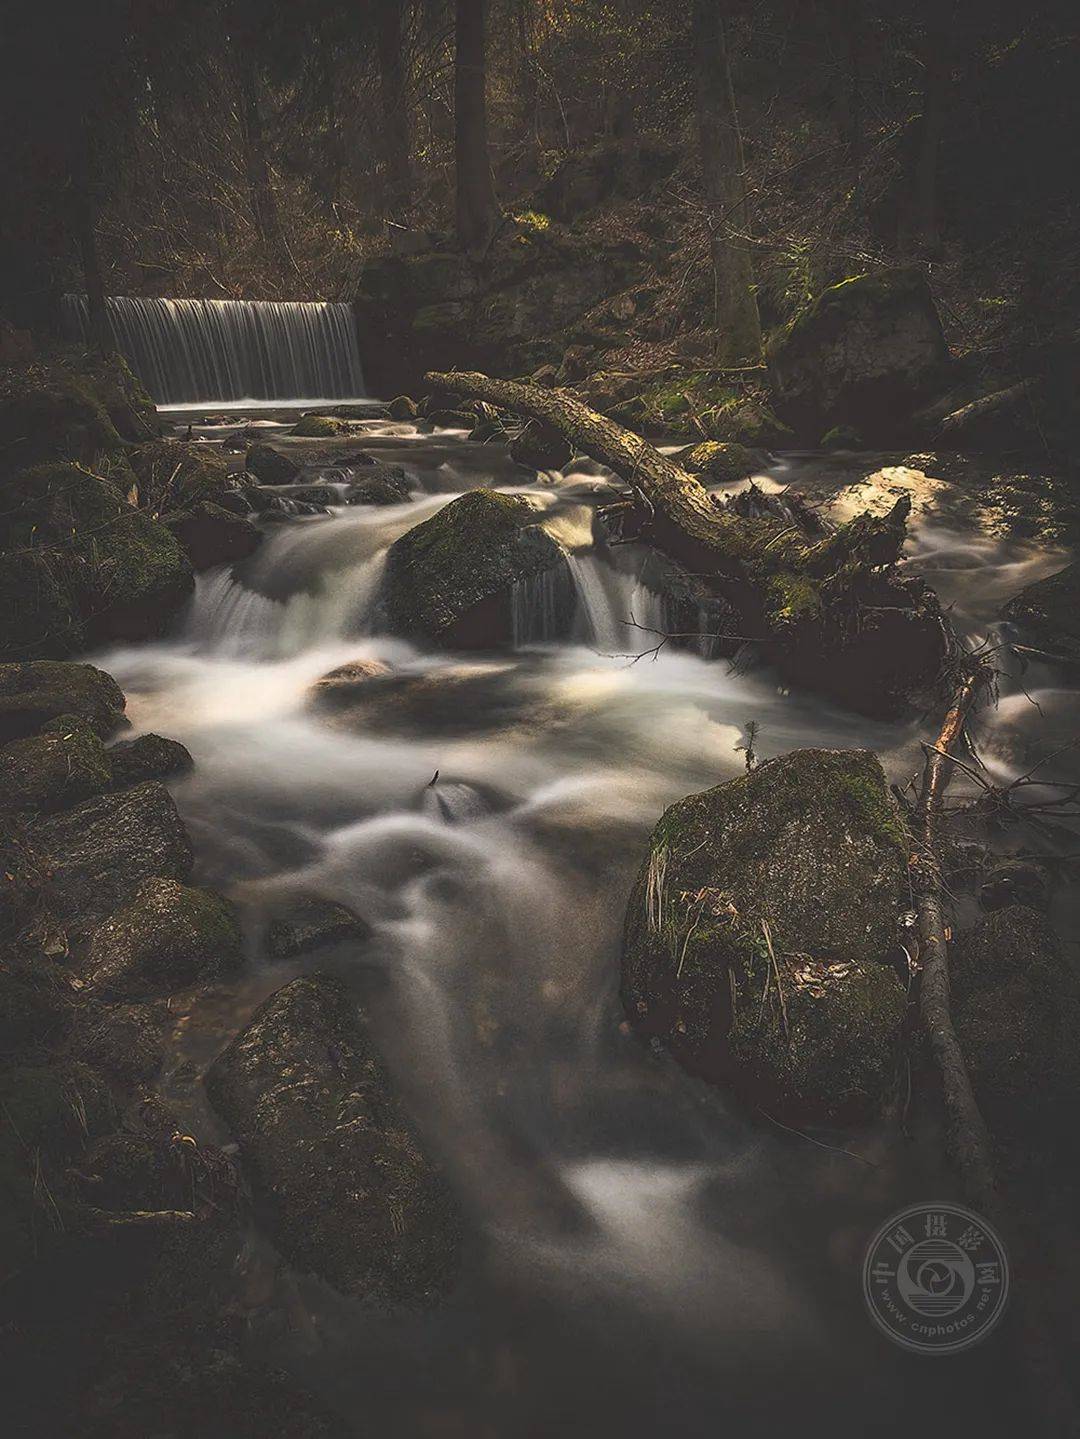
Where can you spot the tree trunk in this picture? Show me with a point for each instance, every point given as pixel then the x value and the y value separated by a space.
pixel 937 53
pixel 735 311
pixel 528 82
pixel 394 106
pixel 476 209
pixel 263 204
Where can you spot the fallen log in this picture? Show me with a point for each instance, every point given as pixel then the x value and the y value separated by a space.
pixel 968 1137
pixel 831 611
pixel 969 1142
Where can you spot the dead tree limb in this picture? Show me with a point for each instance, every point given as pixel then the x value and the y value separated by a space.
pixel 969 1138
pixel 831 611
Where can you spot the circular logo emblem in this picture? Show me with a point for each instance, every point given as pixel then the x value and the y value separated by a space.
pixel 936 1278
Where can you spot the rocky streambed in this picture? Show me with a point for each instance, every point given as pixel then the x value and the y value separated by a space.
pixel 440 1002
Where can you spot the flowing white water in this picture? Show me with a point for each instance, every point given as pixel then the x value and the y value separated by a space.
pixel 214 351
pixel 650 1260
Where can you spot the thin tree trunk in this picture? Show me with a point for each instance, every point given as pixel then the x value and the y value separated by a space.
pixel 528 81
pixel 263 204
pixel 393 102
pixel 735 311
pixel 476 209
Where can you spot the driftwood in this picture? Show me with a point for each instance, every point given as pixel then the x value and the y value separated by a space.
pixel 1049 1396
pixel 830 610
pixel 969 1138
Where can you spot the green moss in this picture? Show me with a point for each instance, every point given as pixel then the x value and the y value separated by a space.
pixel 63 765
pixel 720 463
pixel 172 476
pixel 805 854
pixel 36 692
pixel 320 427
pixel 792 599
pixel 449 580
pixel 842 437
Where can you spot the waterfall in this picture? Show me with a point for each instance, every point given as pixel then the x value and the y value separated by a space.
pixel 212 351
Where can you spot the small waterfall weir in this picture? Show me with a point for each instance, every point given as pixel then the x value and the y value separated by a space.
pixel 216 351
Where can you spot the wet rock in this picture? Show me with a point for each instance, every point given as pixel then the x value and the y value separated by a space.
pixel 151 756
pixel 33 693
pixel 210 535
pixel 403 408
pixel 785 883
pixel 842 437
pixel 62 766
pixel 1016 1010
pixel 103 570
pixel 340 685
pixel 332 1156
pixel 450 581
pixel 864 354
pixel 168 937
pixel 1015 881
pixel 450 419
pixel 381 485
pixel 271 467
pixel 721 463
pixel 35 1003
pixel 320 427
pixel 541 447
pixel 458 700
pixel 311 923
pixel 1049 612
pixel 100 852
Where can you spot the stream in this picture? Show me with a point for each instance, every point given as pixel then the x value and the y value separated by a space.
pixel 647 1258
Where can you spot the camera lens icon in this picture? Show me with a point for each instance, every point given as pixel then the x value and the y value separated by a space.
pixel 935 1278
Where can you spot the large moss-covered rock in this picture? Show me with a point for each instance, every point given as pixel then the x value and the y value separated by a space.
pixel 720 463
pixel 1016 1011
pixel 33 693
pixel 105 569
pixel 785 885
pixel 320 427
pixel 63 765
pixel 173 476
pixel 100 852
pixel 168 937
pixel 863 354
pixel 332 1156
pixel 1049 612
pixel 72 405
pixel 451 580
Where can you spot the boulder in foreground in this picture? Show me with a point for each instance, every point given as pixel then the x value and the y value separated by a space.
pixel 37 691
pixel 331 1154
pixel 758 931
pixel 451 581
pixel 168 937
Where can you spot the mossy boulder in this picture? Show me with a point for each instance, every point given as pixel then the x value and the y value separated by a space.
pixel 335 1163
pixel 748 420
pixel 380 485
pixel 1049 612
pixel 210 535
pixel 720 463
pixel 62 766
pixel 320 427
pixel 271 467
pixel 1016 1011
pixel 451 581
pixel 37 691
pixel 71 405
pixel 173 476
pixel 105 570
pixel 759 929
pixel 167 938
pixel 151 756
pixel 864 354
pixel 35 1003
pixel 99 853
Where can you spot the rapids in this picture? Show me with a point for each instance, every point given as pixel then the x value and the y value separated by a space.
pixel 648 1259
